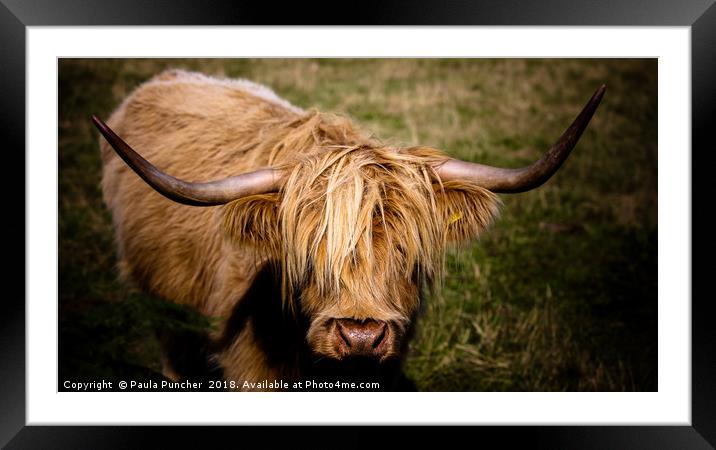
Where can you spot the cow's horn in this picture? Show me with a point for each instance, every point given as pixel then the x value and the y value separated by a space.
pixel 197 194
pixel 503 180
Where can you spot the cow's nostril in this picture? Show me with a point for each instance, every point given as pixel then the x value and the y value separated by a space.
pixel 343 336
pixel 361 337
pixel 381 336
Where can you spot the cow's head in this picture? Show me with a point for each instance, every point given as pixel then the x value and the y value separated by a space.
pixel 359 230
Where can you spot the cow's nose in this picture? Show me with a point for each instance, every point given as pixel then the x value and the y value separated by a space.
pixel 361 338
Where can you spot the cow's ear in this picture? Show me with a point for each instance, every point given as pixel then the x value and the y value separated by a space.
pixel 466 209
pixel 253 220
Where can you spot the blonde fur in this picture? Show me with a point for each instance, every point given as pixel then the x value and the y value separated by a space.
pixel 357 230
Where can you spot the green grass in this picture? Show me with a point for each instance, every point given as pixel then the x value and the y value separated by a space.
pixel 561 294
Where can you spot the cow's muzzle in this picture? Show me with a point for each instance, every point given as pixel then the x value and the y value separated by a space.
pixel 367 338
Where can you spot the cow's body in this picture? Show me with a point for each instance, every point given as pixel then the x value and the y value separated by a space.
pixel 193 126
pixel 200 128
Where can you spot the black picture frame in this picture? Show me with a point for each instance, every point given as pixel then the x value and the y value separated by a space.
pixel 16 15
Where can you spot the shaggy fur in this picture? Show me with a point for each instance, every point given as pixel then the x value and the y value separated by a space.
pixel 358 230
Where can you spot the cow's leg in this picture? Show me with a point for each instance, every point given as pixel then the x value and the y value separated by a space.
pixel 168 369
pixel 246 365
pixel 186 355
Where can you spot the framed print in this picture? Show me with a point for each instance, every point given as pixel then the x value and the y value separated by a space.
pixel 246 208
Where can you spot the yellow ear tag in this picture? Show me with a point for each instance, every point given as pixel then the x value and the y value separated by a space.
pixel 455 217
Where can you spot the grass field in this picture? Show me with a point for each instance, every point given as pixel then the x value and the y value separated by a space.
pixel 561 294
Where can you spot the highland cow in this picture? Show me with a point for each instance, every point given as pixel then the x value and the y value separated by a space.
pixel 311 242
